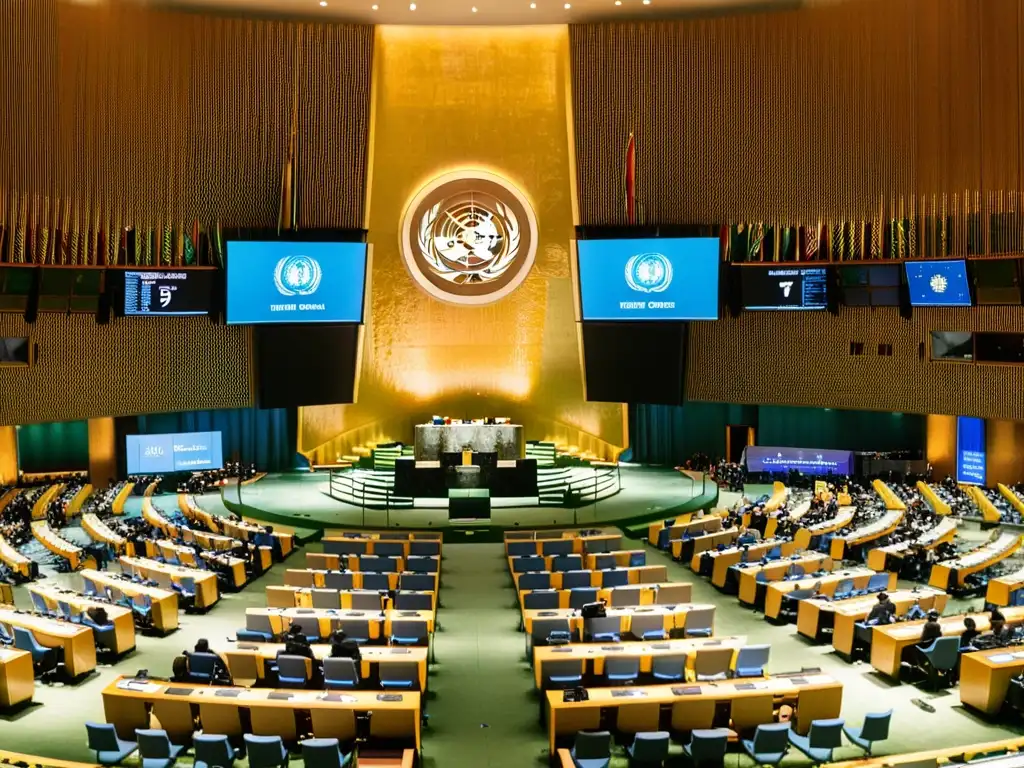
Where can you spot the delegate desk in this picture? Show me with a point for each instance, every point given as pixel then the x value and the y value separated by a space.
pixel 77 641
pixel 127 705
pixel 638 574
pixel 164 575
pixel 816 615
pixel 858 537
pixel 327 562
pixel 775 570
pixel 17 677
pixel 623 558
pixel 684 527
pixel 779 589
pixel 724 559
pixel 695 706
pixel 1003 590
pixel 952 573
pixel 196 514
pixel 16 561
pixel 246 531
pixel 891 557
pixel 985 677
pixel 313 577
pixel 380 626
pixel 689 550
pixel 46 536
pixel 216 544
pixel 169 550
pixel 165 602
pixel 646 594
pixel 592 655
pixel 377 545
pixel 844 516
pixel 242 657
pixel 654 529
pixel 302 597
pixel 889 642
pixel 99 531
pixel 674 616
pixel 119 616
pixel 569 543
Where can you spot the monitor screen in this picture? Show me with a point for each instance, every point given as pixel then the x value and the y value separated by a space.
pixel 938 283
pixel 295 282
pixel 155 293
pixel 809 461
pixel 668 279
pixel 970 450
pixel 785 288
pixel 177 452
pixel 15 350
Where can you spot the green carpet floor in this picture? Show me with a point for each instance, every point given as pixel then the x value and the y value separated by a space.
pixel 482 707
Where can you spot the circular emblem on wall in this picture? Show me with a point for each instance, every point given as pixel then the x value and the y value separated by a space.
pixel 297 276
pixel 649 272
pixel 469 237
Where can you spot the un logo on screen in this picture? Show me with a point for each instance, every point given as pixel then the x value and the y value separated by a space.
pixel 938 283
pixel 649 273
pixel 297 276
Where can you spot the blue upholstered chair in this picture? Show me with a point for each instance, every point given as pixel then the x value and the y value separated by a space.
pixel 707 745
pixel 648 748
pixel 941 659
pixel 875 728
pixel 769 745
pixel 265 751
pixel 156 749
pixel 324 753
pixel 341 673
pixel 751 660
pixel 621 670
pixel 292 671
pixel 201 667
pixel 541 600
pixel 110 750
pixel 403 676
pixel 699 622
pixel 824 737
pixel 213 751
pixel 592 749
pixel 669 668
pixel 563 673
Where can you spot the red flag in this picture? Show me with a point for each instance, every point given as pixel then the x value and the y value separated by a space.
pixel 630 180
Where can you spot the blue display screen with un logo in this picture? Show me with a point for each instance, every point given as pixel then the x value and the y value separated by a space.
pixel 651 279
pixel 295 282
pixel 938 283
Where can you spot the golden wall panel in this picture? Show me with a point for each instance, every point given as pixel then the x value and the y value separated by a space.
pixel 8 455
pixel 125 368
pixel 495 100
pixel 940 445
pixel 102 451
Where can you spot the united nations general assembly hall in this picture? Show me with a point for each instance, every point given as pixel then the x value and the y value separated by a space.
pixel 512 383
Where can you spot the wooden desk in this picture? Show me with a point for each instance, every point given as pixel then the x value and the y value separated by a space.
pixel 1000 591
pixel 869 532
pixel 372 656
pixel 371 542
pixel 623 557
pixel 186 556
pixel 206 582
pixel 17 677
pixel 959 755
pixel 593 655
pixel 889 642
pixel 985 677
pixel 77 641
pixel 726 558
pixel 682 593
pixel 637 574
pixel 690 549
pixel 193 512
pixel 49 538
pixel 315 577
pixel 605 542
pixel 302 597
pixel 120 617
pixel 100 532
pixel 674 616
pixel 775 570
pixel 814 615
pixel 280 618
pixel 16 561
pixel 165 602
pixel 244 530
pixel 844 516
pixel 777 589
pixel 976 560
pixel 814 696
pixel 220 713
pixel 685 524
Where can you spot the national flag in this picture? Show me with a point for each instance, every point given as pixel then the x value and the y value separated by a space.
pixel 811 242
pixel 191 238
pixel 629 180
pixel 287 216
pixel 167 245
pixel 218 244
pixel 754 248
pixel 739 238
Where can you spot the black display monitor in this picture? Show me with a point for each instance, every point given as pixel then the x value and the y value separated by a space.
pixel 785 287
pixel 166 292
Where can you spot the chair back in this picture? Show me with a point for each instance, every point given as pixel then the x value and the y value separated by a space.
pixel 341 671
pixel 622 667
pixel 669 665
pixel 38 603
pixel 573 579
pixel 843 589
pixel 430 565
pixel 753 657
pixel 153 742
pixel 403 673
pixel 410 629
pixel 321 753
pixel 622 596
pixel 310 625
pixel 188 585
pixel 878 582
pixel 326 598
pixel 355 629
pixel 338 580
pixel 795 571
pixel 614 577
pixel 414 601
pixel 639 623
pixel 535 580
pixel 214 750
pixel 566 563
pixel 600 625
pixel 542 628
pixel 708 745
pixel 699 619
pixel 546 600
pixel 580 596
pixel 650 747
pixel 876 726
pixel 292 667
pixel 365 601
pixel 389 548
pixel 761 577
pixel 826 734
pixel 521 548
pixel 564 670
pixel 672 594
pixel 24 640
pixel 425 582
pixel 102 737
pixel 427 548
pixel 376 581
pixel 712 662
pixel 771 738
pixel 944 653
pixel 592 745
pixel 201 665
pixel 258 622
pixel 264 751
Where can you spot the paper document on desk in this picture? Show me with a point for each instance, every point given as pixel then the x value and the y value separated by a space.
pixel 1001 658
pixel 139 686
pixel 1018 655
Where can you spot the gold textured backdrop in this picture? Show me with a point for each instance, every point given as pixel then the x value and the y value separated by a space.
pixel 818 114
pixel 494 99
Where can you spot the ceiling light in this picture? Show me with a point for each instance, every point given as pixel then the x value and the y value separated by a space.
pixel 412 6
pixel 533 6
pixel 567 6
pixel 323 3
pixel 618 2
pixel 647 2
pixel 374 7
pixel 473 9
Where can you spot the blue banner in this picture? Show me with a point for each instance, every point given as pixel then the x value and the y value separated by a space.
pixel 295 282
pixel 177 452
pixel 651 279
pixel 809 461
pixel 970 450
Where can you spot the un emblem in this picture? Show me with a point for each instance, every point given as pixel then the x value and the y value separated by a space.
pixel 297 276
pixel 649 272
pixel 469 237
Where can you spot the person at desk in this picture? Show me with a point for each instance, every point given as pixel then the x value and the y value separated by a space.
pixel 916 612
pixel 296 644
pixel 883 611
pixel 998 634
pixel 343 648
pixel 969 634
pixel 931 630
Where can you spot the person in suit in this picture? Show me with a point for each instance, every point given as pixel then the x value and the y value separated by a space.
pixel 882 611
pixel 931 630
pixel 970 632
pixel 343 648
pixel 296 644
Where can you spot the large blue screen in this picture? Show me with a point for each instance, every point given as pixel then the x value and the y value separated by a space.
pixel 938 284
pixel 970 450
pixel 655 279
pixel 294 282
pixel 178 452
